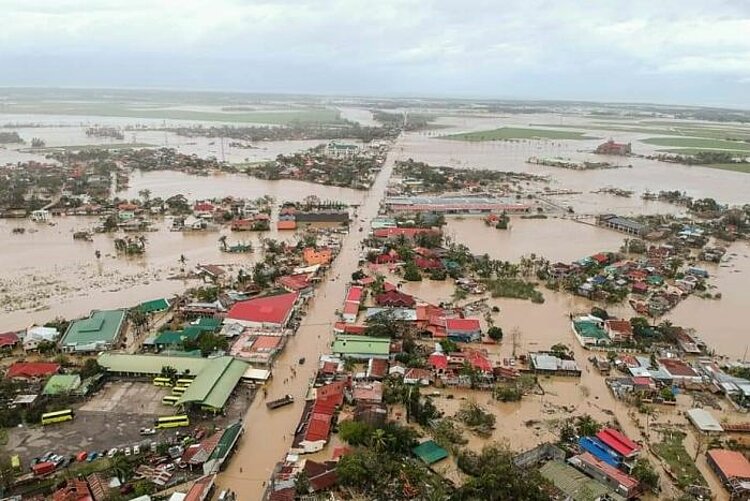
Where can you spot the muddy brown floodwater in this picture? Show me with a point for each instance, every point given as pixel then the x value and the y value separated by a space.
pixel 269 434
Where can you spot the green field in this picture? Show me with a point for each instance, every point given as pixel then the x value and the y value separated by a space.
pixel 102 109
pixel 506 133
pixel 692 131
pixel 78 147
pixel 671 450
pixel 698 143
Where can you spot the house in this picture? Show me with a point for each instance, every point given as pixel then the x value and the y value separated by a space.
pixel 544 363
pixel 619 331
pixel 32 370
pixel 438 362
pixel 299 282
pixel 286 224
pixel 704 421
pixel 269 312
pixel 733 469
pixel 73 490
pixel 613 148
pixel 337 150
pixel 320 476
pixel 421 377
pixel 99 332
pixel 618 442
pixel 589 330
pixel 367 392
pixel 620 482
pixel 313 256
pixel 428 264
pixel 37 334
pixel 463 329
pixel 679 370
pixel 408 233
pixel 351 304
pixel 8 341
pixel 395 299
pixel 377 368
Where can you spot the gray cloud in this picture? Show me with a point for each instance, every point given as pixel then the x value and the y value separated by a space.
pixel 686 50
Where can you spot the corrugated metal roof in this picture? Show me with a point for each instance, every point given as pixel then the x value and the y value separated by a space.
pixel 213 385
pixel 572 482
pixel 150 364
pixel 703 420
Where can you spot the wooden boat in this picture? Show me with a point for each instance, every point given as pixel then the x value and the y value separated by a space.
pixel 280 402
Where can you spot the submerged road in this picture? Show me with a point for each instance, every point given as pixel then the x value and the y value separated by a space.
pixel 268 434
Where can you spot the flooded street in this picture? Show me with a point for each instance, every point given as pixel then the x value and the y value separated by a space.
pixel 269 434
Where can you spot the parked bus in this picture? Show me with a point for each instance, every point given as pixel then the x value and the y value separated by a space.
pixel 178 390
pixel 57 417
pixel 172 421
pixel 15 462
pixel 170 400
pixel 184 382
pixel 162 381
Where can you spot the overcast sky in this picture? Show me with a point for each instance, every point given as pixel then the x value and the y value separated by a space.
pixel 681 51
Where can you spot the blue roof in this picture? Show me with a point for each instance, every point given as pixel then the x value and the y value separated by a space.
pixel 599 450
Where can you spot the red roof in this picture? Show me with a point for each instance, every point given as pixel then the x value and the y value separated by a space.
pixel 418 374
pixel 332 391
pixel 200 489
pixel 425 263
pixel 203 207
pixel 340 451
pixel 8 339
pixel 321 475
pixel 319 427
pixel 354 294
pixel 32 369
pixel 478 361
pixel 266 343
pixel 286 225
pixel 623 326
pixel 462 324
pixel 438 361
pixel 677 367
pixel 378 367
pixel 267 310
pixel 348 328
pixel 618 442
pixel 295 282
pixel 351 308
pixel 395 298
pixel 600 258
pixel 643 381
pixel 732 464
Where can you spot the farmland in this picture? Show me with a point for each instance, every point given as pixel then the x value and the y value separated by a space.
pixel 698 144
pixel 510 133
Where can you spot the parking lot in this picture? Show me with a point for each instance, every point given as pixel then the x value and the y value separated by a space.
pixel 113 417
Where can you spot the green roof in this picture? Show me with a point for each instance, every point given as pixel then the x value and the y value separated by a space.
pixel 572 482
pixel 150 364
pixel 94 333
pixel 154 305
pixel 176 337
pixel 361 345
pixel 226 441
pixel 213 385
pixel 589 329
pixel 208 323
pixel 430 452
pixel 60 384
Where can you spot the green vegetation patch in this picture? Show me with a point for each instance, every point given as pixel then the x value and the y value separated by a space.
pixel 82 147
pixel 698 143
pixel 507 133
pixel 672 450
pixel 514 288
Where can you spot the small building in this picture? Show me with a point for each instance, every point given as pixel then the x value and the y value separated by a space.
pixel 572 483
pixel 37 334
pixel 733 469
pixel 704 421
pixel 619 481
pixel 395 299
pixel 618 442
pixel 544 363
pixel 61 384
pixel 619 331
pixel 313 256
pixel 463 329
pixel 361 347
pixel 622 224
pixel 421 377
pixel 154 306
pixel 8 341
pixel 613 148
pixel 679 370
pixel 32 370
pixel 589 331
pixel 430 452
pixel 99 332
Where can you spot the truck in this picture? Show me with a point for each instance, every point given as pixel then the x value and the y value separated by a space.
pixel 280 402
pixel 44 468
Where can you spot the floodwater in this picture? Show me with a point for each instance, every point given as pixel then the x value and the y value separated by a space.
pixel 167 183
pixel 36 288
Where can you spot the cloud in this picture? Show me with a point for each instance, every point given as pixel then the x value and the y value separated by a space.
pixel 538 48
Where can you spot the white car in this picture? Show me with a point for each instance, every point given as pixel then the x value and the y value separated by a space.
pixel 148 431
pixel 127 451
pixel 136 450
pixel 112 452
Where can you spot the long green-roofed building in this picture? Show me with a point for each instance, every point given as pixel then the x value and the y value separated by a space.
pixel 215 378
pixel 62 384
pixel 361 347
pixel 99 332
pixel 154 306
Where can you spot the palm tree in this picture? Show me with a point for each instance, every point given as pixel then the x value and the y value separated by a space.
pixel 379 440
pixel 145 194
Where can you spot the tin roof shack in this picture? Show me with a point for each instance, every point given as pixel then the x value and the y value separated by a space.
pixel 679 371
pixel 573 484
pixel 704 421
pixel 733 469
pixel 545 363
pixel 99 332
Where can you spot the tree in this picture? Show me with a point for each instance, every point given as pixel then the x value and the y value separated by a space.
pixel 448 346
pixel 169 372
pixel 90 368
pixel 355 432
pixel 644 472
pixel 495 333
pixel 411 272
pixel 302 484
pixel 145 194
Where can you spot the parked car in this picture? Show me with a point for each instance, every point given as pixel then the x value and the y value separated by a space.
pixel 112 452
pixel 136 450
pixel 92 456
pixel 154 446
pixel 127 451
pixel 81 456
pixel 148 431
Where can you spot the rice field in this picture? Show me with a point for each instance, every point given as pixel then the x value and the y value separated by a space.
pixel 510 133
pixel 697 143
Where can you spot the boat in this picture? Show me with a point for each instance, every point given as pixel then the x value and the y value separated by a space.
pixel 302 361
pixel 280 402
pixel 19 231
